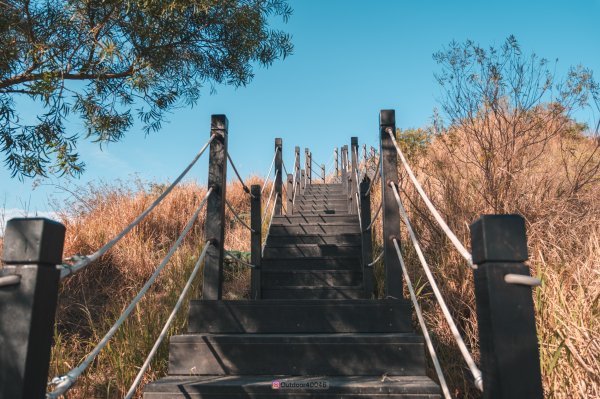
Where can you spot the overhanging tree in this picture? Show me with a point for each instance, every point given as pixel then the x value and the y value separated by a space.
pixel 112 61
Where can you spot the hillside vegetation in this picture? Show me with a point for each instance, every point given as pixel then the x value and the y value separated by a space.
pixel 557 192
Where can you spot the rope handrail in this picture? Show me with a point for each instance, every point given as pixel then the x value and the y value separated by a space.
pixel 459 246
pixel 438 295
pixel 65 382
pixel 269 172
pixel 262 250
pixel 236 216
pixel 377 174
pixel 83 261
pixel 358 211
pixel 236 259
pixel 245 187
pixel 270 196
pixel 374 217
pixel 284 168
pixel 376 259
pixel 413 297
pixel 164 331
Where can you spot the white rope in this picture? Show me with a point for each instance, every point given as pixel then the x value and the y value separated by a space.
pixel 377 174
pixel 461 249
pixel 86 260
pixel 246 189
pixel 262 250
pixel 358 211
pixel 235 258
pixel 461 344
pixel 522 279
pixel 13 279
pixel 413 297
pixel 236 217
pixel 270 169
pixel 376 259
pixel 270 196
pixel 163 333
pixel 64 383
pixel 375 217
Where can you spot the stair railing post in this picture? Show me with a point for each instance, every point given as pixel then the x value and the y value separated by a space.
pixel 390 211
pixel 354 170
pixel 309 170
pixel 345 168
pixel 303 180
pixel 510 358
pixel 28 297
pixel 307 167
pixel 297 171
pixel 335 160
pixel 278 175
pixel 367 243
pixel 214 226
pixel 255 240
pixel 323 172
pixel 290 194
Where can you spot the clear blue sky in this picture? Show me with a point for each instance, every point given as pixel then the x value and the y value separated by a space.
pixel 351 59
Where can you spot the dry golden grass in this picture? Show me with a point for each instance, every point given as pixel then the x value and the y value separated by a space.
pixel 92 300
pixel 563 227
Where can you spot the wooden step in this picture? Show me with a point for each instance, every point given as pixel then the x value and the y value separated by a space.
pixel 317 263
pixel 258 387
pixel 325 278
pixel 315 228
pixel 311 250
pixel 323 239
pixel 313 292
pixel 326 219
pixel 300 316
pixel 297 354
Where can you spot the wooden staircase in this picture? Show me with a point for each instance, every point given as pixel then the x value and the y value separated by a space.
pixel 315 326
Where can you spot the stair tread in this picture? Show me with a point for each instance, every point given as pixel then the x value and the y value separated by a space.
pixel 366 385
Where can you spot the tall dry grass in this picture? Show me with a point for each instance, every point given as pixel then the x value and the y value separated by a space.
pixel 91 300
pixel 558 194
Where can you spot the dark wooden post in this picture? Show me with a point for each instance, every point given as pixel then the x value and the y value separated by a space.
pixel 303 180
pixel 367 244
pixel 290 193
pixel 214 227
pixel 335 160
pixel 510 358
pixel 390 212
pixel 345 167
pixel 308 167
pixel 255 241
pixel 278 175
pixel 28 296
pixel 297 170
pixel 354 165
pixel 323 172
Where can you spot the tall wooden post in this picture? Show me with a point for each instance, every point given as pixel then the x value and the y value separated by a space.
pixel 297 171
pixel 28 296
pixel 290 194
pixel 335 160
pixel 345 166
pixel 510 358
pixel 255 241
pixel 390 211
pixel 354 172
pixel 307 166
pixel 323 172
pixel 303 180
pixel 367 244
pixel 278 175
pixel 214 227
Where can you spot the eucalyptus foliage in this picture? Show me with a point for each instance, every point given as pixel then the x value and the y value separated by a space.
pixel 110 62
